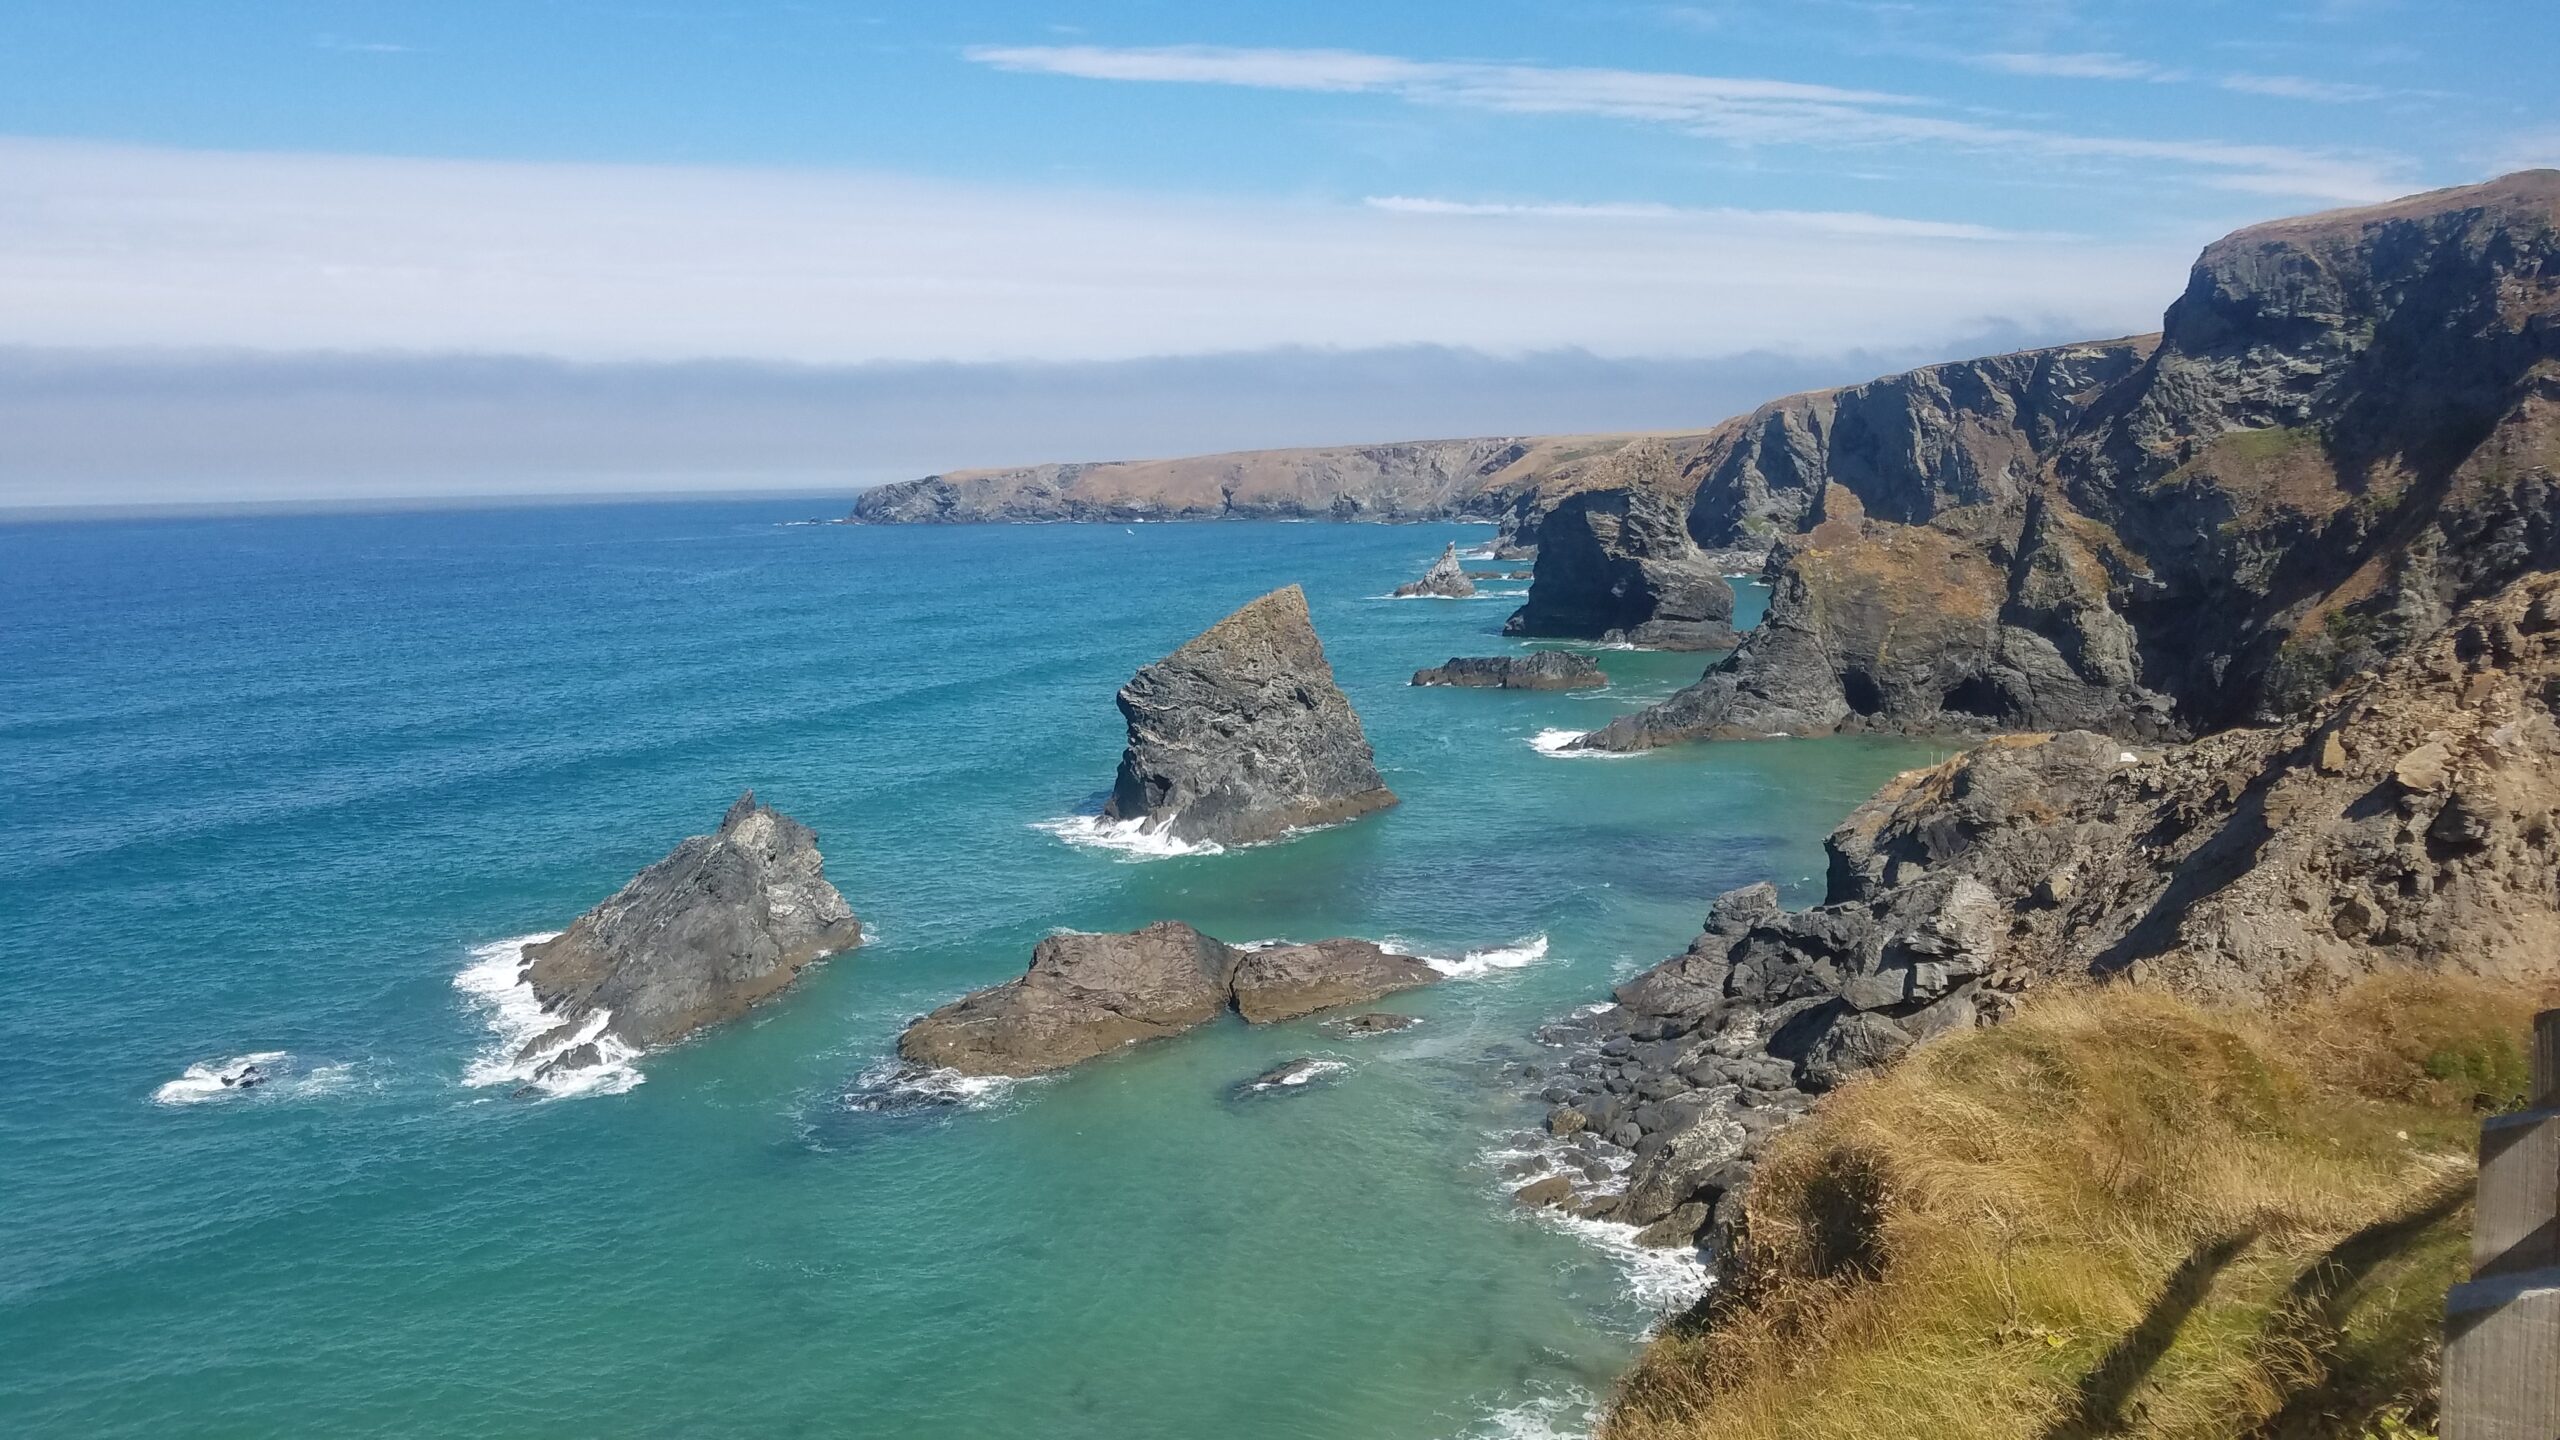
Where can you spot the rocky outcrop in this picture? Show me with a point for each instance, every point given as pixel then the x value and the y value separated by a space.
pixel 2411 820
pixel 1616 564
pixel 1537 670
pixel 723 922
pixel 1087 995
pixel 1241 735
pixel 1416 480
pixel 2349 427
pixel 1446 579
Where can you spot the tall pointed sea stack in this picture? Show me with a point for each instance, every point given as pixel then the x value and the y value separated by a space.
pixel 1241 734
pixel 726 920
pixel 1446 579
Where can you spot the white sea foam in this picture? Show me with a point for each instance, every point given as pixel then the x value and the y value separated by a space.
pixel 894 1085
pixel 1300 1075
pixel 1476 964
pixel 1554 742
pixel 1129 838
pixel 495 985
pixel 203 1082
pixel 1569 1415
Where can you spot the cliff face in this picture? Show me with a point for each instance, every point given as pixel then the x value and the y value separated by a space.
pixel 1417 480
pixel 2349 427
pixel 1615 562
pixel 2412 820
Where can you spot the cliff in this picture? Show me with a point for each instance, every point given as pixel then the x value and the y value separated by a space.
pixel 1414 480
pixel 2348 428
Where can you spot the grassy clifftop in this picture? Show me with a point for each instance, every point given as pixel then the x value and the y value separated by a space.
pixel 2118 1214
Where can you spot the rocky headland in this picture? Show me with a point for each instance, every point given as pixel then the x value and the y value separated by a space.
pixel 1616 562
pixel 1538 670
pixel 2345 431
pixel 2410 820
pixel 1446 579
pixel 1087 995
pixel 1480 479
pixel 724 922
pixel 1242 735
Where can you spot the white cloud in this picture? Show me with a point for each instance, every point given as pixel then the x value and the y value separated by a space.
pixel 113 246
pixel 2297 87
pixel 1739 111
pixel 1824 222
pixel 2085 66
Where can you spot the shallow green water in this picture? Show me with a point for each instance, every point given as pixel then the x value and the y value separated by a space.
pixel 272 781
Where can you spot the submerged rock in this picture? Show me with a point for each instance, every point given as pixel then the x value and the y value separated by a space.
pixel 1242 735
pixel 725 921
pixel 1375 1022
pixel 1446 579
pixel 1541 670
pixel 1087 995
pixel 1291 1075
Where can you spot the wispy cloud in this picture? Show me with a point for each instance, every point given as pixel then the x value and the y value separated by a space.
pixel 2299 87
pixel 2082 66
pixel 1821 222
pixel 1736 110
pixel 108 246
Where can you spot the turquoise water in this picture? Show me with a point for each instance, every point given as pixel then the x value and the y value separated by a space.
pixel 270 781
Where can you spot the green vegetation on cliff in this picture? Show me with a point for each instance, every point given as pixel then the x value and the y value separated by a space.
pixel 2117 1214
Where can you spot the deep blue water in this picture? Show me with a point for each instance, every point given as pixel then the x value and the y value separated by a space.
pixel 270 781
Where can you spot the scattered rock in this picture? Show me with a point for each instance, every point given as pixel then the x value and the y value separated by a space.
pixel 1290 1076
pixel 1242 735
pixel 1376 1022
pixel 1544 1194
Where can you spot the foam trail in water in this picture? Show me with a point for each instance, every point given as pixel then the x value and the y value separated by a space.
pixel 1129 838
pixel 494 981
pixel 203 1082
pixel 1567 1416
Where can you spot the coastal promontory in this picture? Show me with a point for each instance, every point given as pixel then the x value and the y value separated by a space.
pixel 725 921
pixel 1242 735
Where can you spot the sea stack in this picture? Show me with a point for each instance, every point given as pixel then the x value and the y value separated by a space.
pixel 725 921
pixel 1446 579
pixel 1087 995
pixel 1241 735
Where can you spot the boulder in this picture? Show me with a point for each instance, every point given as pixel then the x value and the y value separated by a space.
pixel 1283 982
pixel 1539 670
pixel 1290 1076
pixel 1446 579
pixel 723 922
pixel 1242 735
pixel 1376 1022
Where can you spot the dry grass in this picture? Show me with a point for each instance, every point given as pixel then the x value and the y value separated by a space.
pixel 2118 1214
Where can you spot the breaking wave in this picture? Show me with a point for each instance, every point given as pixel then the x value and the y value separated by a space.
pixel 1129 838
pixel 494 984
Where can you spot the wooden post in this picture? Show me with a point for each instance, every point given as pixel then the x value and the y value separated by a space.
pixel 2502 1331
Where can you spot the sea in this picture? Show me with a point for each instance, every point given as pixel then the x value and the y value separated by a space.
pixel 289 789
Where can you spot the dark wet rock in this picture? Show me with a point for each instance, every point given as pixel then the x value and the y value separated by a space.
pixel 722 923
pixel 1089 994
pixel 584 1056
pixel 1538 670
pixel 1242 735
pixel 1446 579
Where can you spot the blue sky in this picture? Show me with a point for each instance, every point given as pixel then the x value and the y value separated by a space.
pixel 830 184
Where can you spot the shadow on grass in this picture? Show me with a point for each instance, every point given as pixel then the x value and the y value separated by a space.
pixel 2098 1409
pixel 2314 1315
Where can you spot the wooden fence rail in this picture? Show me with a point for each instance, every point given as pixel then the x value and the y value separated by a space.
pixel 2502 1330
